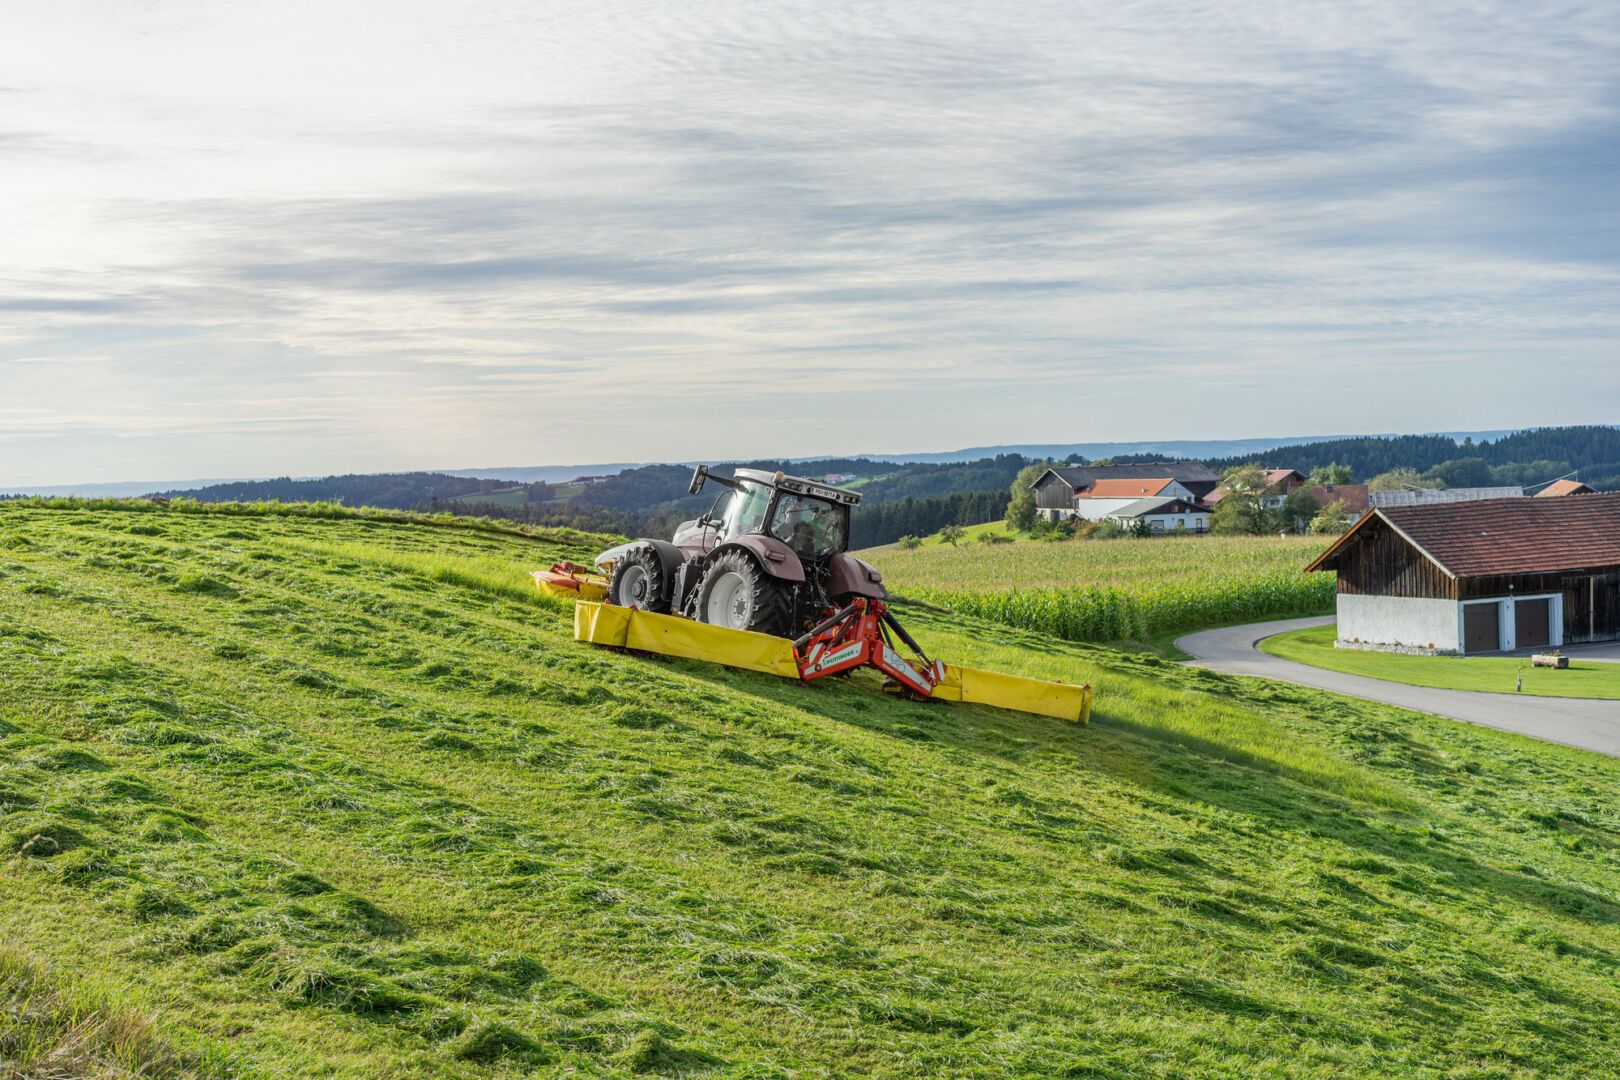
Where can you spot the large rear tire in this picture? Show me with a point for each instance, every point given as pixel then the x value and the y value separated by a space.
pixel 639 581
pixel 736 592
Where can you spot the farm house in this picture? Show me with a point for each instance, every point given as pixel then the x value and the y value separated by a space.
pixel 1478 577
pixel 1059 489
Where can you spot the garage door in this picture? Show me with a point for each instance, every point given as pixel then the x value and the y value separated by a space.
pixel 1481 628
pixel 1532 625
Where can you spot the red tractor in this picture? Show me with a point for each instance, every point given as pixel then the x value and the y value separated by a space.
pixel 771 556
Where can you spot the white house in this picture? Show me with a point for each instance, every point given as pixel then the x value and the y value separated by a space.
pixel 1164 514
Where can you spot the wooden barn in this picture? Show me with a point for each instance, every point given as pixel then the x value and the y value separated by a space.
pixel 1479 577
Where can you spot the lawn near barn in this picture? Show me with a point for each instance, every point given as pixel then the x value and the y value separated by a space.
pixel 1492 674
pixel 302 791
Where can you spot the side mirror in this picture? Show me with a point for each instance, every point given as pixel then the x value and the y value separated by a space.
pixel 699 475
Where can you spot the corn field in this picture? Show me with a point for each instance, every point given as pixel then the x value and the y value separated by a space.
pixel 1115 590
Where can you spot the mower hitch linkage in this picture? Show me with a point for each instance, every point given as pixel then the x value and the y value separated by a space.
pixel 856 635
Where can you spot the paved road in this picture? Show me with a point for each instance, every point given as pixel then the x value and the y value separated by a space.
pixel 1589 724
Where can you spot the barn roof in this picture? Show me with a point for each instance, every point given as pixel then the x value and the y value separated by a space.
pixel 1502 536
pixel 1423 496
pixel 1080 477
pixel 1354 496
pixel 1160 505
pixel 1117 488
pixel 1564 487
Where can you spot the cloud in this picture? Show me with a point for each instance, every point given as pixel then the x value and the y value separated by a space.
pixel 597 236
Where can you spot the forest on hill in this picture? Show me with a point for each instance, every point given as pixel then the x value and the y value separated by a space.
pixel 919 499
pixel 1524 457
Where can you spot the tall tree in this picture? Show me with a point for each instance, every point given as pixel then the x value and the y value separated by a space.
pixel 1021 505
pixel 1332 519
pixel 1243 508
pixel 1332 473
pixel 1400 480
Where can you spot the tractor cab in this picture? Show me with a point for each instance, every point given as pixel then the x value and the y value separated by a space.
pixel 810 518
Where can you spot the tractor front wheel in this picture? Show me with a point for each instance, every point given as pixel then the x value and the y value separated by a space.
pixel 638 581
pixel 736 592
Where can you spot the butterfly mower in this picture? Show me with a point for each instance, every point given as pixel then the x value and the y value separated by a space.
pixel 764 581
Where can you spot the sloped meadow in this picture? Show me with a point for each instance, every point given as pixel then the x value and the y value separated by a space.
pixel 299 795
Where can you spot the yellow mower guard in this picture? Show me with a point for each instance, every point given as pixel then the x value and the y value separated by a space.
pixel 671 635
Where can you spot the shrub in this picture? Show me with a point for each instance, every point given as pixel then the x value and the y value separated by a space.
pixel 1107 529
pixel 910 542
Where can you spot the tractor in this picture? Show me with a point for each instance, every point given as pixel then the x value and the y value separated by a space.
pixel 771 556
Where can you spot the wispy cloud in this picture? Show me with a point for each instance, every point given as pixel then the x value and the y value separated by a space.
pixel 512 234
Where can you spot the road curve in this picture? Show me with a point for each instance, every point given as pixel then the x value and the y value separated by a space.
pixel 1588 724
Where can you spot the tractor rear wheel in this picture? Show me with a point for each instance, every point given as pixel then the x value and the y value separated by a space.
pixel 638 581
pixel 736 592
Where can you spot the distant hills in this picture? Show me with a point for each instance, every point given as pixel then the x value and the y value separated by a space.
pixel 1196 449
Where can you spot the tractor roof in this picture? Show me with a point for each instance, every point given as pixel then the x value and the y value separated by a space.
pixel 800 485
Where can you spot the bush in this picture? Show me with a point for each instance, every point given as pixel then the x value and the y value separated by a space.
pixel 1043 529
pixel 910 542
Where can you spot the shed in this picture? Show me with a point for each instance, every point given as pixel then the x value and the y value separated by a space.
pixel 1481 576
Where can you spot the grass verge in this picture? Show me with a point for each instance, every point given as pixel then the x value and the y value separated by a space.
pixel 1492 674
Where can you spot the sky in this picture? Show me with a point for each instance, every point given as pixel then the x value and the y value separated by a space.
pixel 256 239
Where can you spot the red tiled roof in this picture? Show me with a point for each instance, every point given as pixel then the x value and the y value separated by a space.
pixel 1564 487
pixel 1128 489
pixel 1277 476
pixel 1511 536
pixel 1355 496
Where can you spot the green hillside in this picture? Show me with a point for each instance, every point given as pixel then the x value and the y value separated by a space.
pixel 328 796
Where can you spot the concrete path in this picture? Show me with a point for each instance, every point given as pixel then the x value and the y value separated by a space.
pixel 1589 724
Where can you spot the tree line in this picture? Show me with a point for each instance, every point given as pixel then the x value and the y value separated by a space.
pixel 1525 457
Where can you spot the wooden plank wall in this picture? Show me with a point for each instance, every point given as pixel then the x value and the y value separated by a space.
pixel 1051 493
pixel 1382 563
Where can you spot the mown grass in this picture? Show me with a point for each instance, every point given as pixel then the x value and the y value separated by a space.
pixel 1493 674
pixel 337 795
pixel 53 1026
pixel 1115 590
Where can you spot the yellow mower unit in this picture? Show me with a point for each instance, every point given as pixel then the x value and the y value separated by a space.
pixel 569 581
pixel 672 635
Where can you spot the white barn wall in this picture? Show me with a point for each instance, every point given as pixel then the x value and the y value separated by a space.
pixel 1414 622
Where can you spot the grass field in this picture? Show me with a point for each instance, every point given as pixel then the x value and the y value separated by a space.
pixel 1114 590
pixel 971 534
pixel 518 496
pixel 320 795
pixel 1497 674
